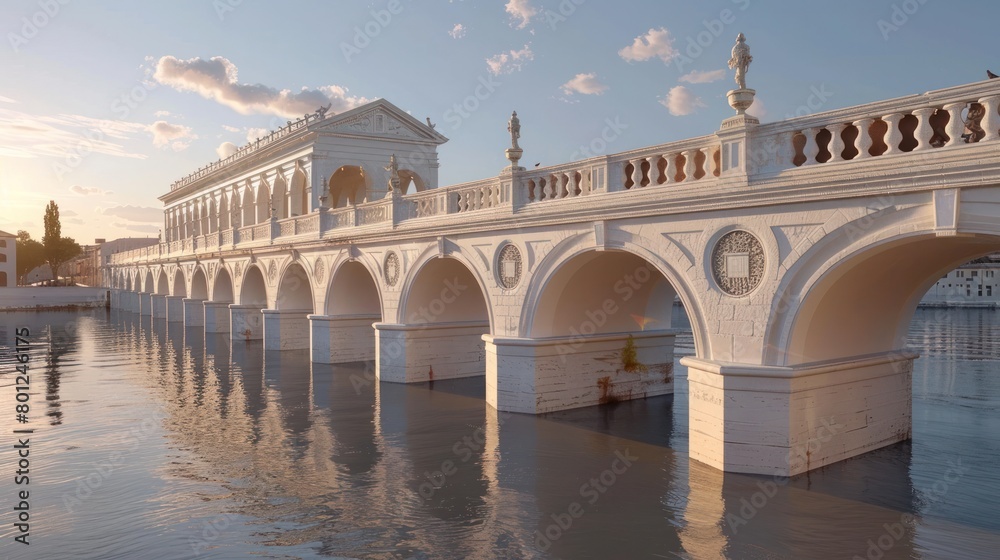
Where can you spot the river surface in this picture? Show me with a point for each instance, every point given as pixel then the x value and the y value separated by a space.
pixel 156 442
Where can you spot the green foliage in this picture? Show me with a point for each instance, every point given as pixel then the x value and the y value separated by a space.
pixel 58 249
pixel 30 254
pixel 630 359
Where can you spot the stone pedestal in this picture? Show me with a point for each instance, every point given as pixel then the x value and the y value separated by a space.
pixel 159 304
pixel 216 317
pixel 145 303
pixel 194 312
pixel 788 420
pixel 175 309
pixel 286 329
pixel 425 352
pixel 246 322
pixel 537 376
pixel 344 339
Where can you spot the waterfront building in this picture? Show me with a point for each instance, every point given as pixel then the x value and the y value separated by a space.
pixel 8 260
pixel 976 284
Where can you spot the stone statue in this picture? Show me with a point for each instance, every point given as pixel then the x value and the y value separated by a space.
pixel 393 169
pixel 741 60
pixel 321 112
pixel 514 127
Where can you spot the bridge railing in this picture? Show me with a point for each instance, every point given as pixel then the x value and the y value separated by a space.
pixel 945 118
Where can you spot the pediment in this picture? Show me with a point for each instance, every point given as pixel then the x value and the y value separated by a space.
pixel 380 119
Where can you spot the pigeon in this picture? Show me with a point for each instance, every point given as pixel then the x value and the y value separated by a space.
pixel 991 75
pixel 537 164
pixel 430 124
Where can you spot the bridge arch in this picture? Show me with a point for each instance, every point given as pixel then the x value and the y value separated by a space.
pixel 295 289
pixel 222 288
pixel 163 284
pixel 180 285
pixel 353 290
pixel 253 290
pixel 199 284
pixel 568 265
pixel 148 285
pixel 444 289
pixel 857 294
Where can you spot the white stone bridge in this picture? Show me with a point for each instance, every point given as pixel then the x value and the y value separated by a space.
pixel 799 251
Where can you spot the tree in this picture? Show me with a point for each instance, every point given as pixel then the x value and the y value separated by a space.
pixel 58 249
pixel 30 254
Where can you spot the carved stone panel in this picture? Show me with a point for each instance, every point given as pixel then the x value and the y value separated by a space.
pixel 391 268
pixel 738 263
pixel 509 266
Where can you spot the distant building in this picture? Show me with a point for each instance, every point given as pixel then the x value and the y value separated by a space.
pixel 8 260
pixel 976 284
pixel 105 249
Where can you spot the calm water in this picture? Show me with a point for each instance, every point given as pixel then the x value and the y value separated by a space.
pixel 152 442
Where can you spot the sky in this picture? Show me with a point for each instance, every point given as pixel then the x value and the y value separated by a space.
pixel 103 104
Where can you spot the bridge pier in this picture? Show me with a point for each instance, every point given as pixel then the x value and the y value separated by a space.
pixel 216 316
pixel 246 322
pixel 159 304
pixel 534 376
pixel 788 420
pixel 286 329
pixel 144 304
pixel 175 309
pixel 194 312
pixel 429 351
pixel 342 339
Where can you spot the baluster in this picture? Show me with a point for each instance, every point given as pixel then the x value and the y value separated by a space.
pixel 955 126
pixel 924 132
pixel 836 141
pixel 707 166
pixel 893 136
pixel 864 141
pixel 654 170
pixel 689 164
pixel 811 149
pixel 710 161
pixel 991 120
pixel 636 173
pixel 671 170
pixel 553 187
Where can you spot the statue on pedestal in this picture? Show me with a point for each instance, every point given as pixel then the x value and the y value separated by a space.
pixel 514 128
pixel 741 60
pixel 393 169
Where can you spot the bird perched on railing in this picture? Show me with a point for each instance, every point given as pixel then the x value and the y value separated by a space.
pixel 991 75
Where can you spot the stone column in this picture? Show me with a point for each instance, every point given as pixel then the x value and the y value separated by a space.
pixel 537 376
pixel 246 322
pixel 344 339
pixel 194 312
pixel 286 329
pixel 425 352
pixel 216 316
pixel 175 309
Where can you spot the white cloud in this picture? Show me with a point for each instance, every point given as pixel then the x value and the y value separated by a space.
pixel 62 136
pixel 177 137
pixel 141 228
pixel 141 214
pixel 216 79
pixel 6 100
pixel 226 149
pixel 508 62
pixel 162 114
pixel 758 109
pixel 699 77
pixel 231 128
pixel 254 133
pixel 680 101
pixel 586 84
pixel 656 43
pixel 87 191
pixel 458 31
pixel 521 11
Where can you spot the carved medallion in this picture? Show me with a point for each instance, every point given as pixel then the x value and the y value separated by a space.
pixel 239 269
pixel 391 268
pixel 318 270
pixel 509 266
pixel 272 273
pixel 738 263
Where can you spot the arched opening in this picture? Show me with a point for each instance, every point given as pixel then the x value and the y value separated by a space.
pixel 601 331
pixel 298 193
pixel 162 284
pixel 348 186
pixel 864 304
pixel 223 213
pixel 213 217
pixel 407 178
pixel 345 334
pixel 180 287
pixel 199 285
pixel 443 316
pixel 147 283
pixel 294 291
pixel 222 290
pixel 280 198
pixel 253 291
pixel 263 202
pixel 204 223
pixel 249 210
pixel 128 283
